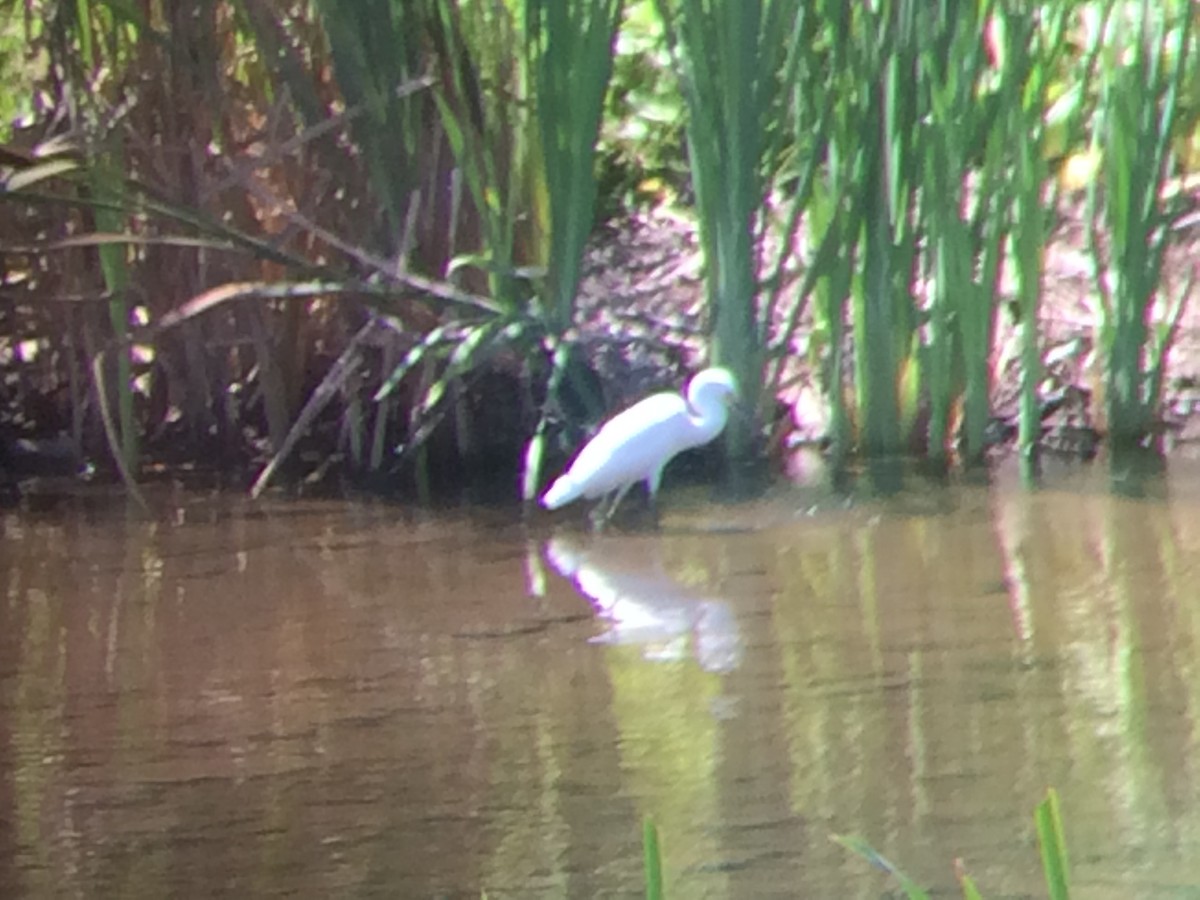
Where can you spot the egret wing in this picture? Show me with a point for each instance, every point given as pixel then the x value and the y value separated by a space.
pixel 631 446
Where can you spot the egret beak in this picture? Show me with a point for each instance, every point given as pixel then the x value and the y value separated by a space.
pixel 736 405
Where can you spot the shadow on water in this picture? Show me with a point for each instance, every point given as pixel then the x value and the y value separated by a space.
pixel 1138 474
pixel 332 699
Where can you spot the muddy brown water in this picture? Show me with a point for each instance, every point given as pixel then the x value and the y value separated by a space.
pixel 335 699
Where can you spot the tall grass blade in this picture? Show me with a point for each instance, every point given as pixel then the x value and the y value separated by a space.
pixel 652 860
pixel 1053 846
pixel 966 882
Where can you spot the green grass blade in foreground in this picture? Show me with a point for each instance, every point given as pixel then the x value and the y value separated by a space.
pixel 652 860
pixel 966 882
pixel 1053 846
pixel 854 844
pixel 970 892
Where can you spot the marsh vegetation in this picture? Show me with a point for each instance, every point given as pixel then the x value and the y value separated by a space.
pixel 316 238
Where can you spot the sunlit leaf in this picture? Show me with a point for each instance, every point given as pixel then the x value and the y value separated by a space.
pixel 27 177
pixel 432 341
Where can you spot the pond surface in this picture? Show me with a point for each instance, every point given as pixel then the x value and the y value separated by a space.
pixel 332 699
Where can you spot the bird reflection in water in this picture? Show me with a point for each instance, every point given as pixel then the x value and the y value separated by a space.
pixel 644 605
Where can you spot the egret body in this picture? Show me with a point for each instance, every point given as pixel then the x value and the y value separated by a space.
pixel 636 445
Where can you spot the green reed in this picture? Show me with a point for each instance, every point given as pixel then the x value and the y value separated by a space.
pixel 731 59
pixel 652 860
pixel 375 47
pixel 570 45
pixel 931 130
pixel 963 217
pixel 825 115
pixel 1145 57
pixel 522 127
pixel 103 184
pixel 569 48
pixel 900 130
pixel 882 309
pixel 1033 53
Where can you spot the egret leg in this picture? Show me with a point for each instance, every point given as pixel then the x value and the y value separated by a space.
pixel 652 502
pixel 652 484
pixel 609 507
pixel 597 515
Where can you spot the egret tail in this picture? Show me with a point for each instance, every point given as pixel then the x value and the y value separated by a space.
pixel 562 492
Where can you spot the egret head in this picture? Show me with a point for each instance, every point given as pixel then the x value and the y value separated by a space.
pixel 714 386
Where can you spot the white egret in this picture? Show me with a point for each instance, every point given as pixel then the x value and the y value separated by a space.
pixel 636 445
